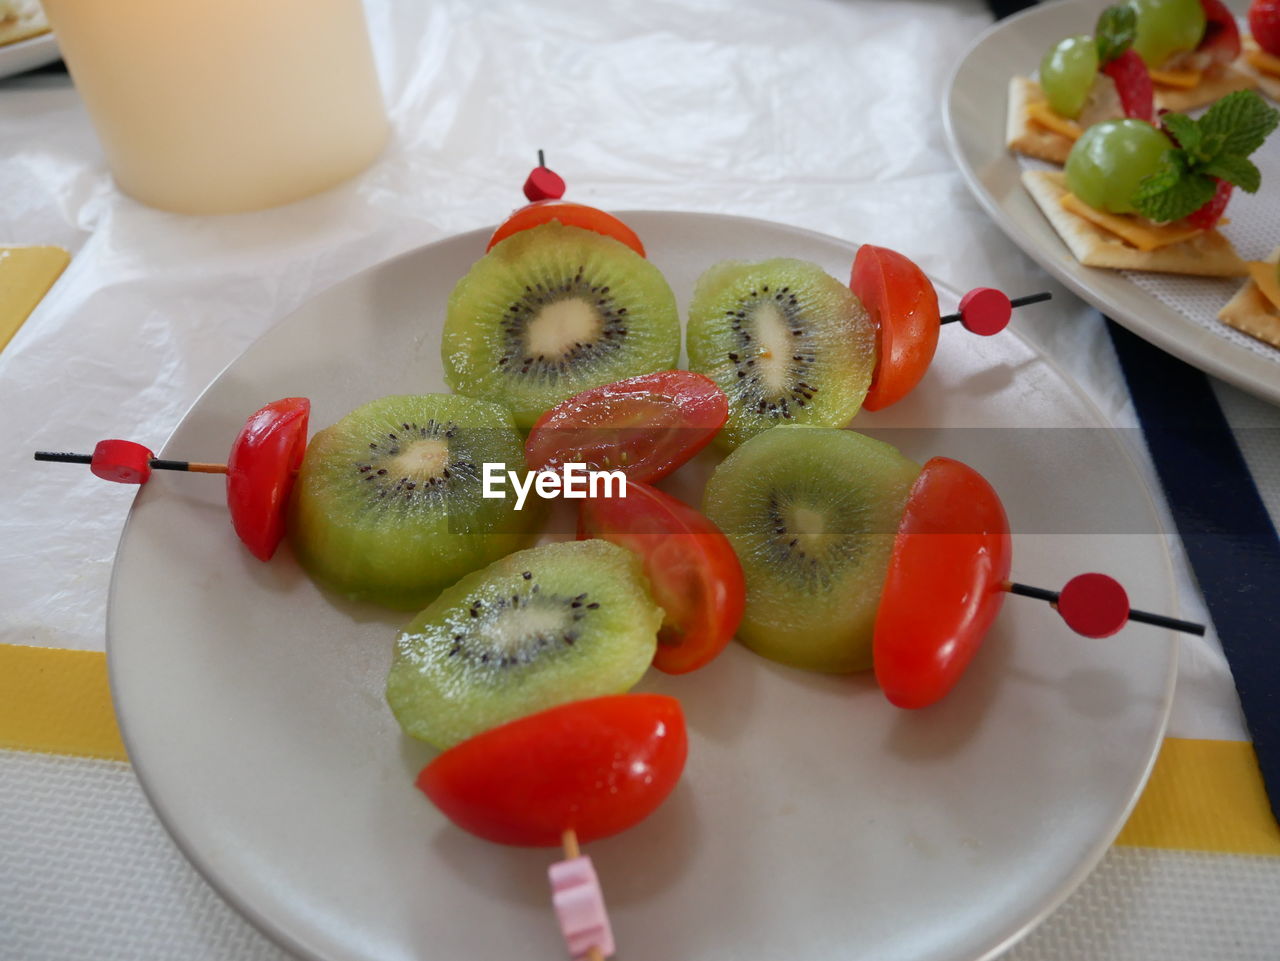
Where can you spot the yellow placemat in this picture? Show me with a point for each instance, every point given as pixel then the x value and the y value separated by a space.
pixel 57 702
pixel 1202 796
pixel 26 274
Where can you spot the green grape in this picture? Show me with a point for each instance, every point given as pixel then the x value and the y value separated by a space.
pixel 1106 165
pixel 1166 27
pixel 1066 74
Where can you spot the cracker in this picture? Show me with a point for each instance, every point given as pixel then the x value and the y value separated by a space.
pixel 1252 313
pixel 28 21
pixel 1209 90
pixel 1267 84
pixel 1208 255
pixel 1024 136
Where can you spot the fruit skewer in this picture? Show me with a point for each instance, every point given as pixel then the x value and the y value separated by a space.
pixel 580 771
pixel 260 469
pixel 561 756
pixel 953 547
pixel 900 298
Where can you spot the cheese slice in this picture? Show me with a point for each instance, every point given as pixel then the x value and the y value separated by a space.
pixel 1182 79
pixel 26 274
pixel 1265 276
pixel 1145 236
pixel 1264 62
pixel 1042 114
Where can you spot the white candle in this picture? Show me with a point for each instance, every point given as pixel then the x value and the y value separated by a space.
pixel 217 106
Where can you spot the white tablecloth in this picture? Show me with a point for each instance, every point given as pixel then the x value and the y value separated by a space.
pixel 820 113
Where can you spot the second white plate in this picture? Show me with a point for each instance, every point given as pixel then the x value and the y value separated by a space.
pixel 974 113
pixel 813 819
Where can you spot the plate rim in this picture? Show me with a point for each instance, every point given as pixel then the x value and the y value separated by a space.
pixel 31 46
pixel 226 889
pixel 1182 338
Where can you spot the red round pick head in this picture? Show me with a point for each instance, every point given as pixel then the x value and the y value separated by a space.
pixel 543 183
pixel 121 461
pixel 985 311
pixel 1094 605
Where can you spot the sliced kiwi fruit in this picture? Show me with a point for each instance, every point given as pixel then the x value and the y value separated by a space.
pixel 387 506
pixel 812 513
pixel 551 311
pixel 785 340
pixel 542 627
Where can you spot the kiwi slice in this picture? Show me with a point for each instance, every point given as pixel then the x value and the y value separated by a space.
pixel 542 627
pixel 785 340
pixel 553 310
pixel 812 513
pixel 387 507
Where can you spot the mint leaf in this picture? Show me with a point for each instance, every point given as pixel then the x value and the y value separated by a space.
pixel 1184 130
pixel 1173 191
pixel 1215 147
pixel 1117 26
pixel 1237 124
pixel 1240 171
pixel 1173 167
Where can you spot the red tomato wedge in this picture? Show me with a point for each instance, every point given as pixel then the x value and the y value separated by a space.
pixel 951 558
pixel 644 426
pixel 904 308
pixel 264 460
pixel 598 766
pixel 571 215
pixel 692 567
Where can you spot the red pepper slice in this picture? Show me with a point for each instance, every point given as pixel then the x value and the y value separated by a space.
pixel 951 559
pixel 644 426
pixel 264 460
pixel 904 308
pixel 571 215
pixel 597 766
pixel 696 577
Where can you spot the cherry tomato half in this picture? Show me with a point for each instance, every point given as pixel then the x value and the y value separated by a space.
pixel 951 558
pixel 264 460
pixel 904 308
pixel 692 567
pixel 571 215
pixel 644 426
pixel 598 766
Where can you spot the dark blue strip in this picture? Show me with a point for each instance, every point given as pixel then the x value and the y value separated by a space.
pixel 1225 529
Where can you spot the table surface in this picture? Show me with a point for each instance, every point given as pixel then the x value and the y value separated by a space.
pixel 818 113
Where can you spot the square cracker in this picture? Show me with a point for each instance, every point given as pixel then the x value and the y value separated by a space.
pixel 1024 136
pixel 29 21
pixel 1249 311
pixel 1267 84
pixel 1208 91
pixel 1208 255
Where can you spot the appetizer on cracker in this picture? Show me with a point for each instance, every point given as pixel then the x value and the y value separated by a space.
pixel 1083 80
pixel 1255 309
pixel 1192 48
pixel 1137 197
pixel 1262 47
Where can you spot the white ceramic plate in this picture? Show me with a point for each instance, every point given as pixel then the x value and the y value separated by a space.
pixel 975 122
pixel 813 817
pixel 28 54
